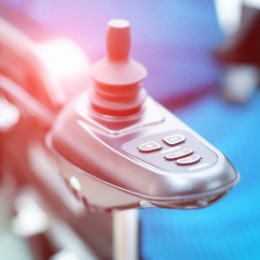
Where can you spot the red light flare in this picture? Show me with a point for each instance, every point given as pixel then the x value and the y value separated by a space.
pixel 66 62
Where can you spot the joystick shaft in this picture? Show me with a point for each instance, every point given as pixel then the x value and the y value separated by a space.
pixel 118 40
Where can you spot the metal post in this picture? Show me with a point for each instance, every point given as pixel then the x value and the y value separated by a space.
pixel 125 234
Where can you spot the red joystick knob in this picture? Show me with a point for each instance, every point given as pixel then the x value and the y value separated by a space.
pixel 117 89
pixel 118 40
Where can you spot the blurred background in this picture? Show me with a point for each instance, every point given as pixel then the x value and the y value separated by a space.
pixel 203 61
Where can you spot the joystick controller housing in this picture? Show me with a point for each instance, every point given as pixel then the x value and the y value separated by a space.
pixel 118 148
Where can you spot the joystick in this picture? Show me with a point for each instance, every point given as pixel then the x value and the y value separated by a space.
pixel 118 148
pixel 117 88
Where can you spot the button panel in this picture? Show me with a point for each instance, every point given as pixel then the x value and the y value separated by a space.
pixel 174 151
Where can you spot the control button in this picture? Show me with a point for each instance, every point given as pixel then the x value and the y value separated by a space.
pixel 174 139
pixel 189 160
pixel 178 154
pixel 149 147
